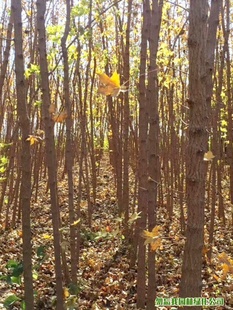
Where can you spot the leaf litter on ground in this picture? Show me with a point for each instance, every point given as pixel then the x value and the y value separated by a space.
pixel 106 280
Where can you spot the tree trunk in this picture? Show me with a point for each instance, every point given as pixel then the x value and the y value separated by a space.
pixel 210 50
pixel 126 121
pixel 226 32
pixel 50 148
pixel 25 189
pixel 69 148
pixel 142 165
pixel 191 283
pixel 153 142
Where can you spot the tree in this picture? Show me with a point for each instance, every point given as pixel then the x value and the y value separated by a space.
pixel 50 148
pixel 148 148
pixel 25 189
pixel 69 147
pixel 142 164
pixel 191 283
pixel 153 140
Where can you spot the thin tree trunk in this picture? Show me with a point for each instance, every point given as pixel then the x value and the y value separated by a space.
pixel 125 190
pixel 153 142
pixel 210 48
pixel 226 32
pixel 6 57
pixel 25 189
pixel 142 165
pixel 69 148
pixel 50 149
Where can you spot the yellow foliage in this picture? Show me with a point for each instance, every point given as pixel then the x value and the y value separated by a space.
pixel 154 233
pixel 109 86
pixel 75 222
pixel 33 139
pixel 227 264
pixel 47 237
pixel 153 238
pixel 223 258
pixel 225 270
pixel 156 244
pixel 208 156
pixel 66 292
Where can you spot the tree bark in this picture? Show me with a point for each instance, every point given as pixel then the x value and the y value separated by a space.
pixel 126 121
pixel 142 164
pixel 25 189
pixel 69 148
pixel 213 23
pixel 153 141
pixel 50 149
pixel 191 283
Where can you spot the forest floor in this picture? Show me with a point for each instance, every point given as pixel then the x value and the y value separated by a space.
pixel 106 280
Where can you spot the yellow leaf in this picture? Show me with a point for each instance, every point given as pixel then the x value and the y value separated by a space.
pixel 147 234
pixel 47 237
pixel 75 222
pixel 156 244
pixel 225 270
pixel 91 262
pixel 109 85
pixel 32 139
pixel 115 78
pixel 216 278
pixel 152 237
pixel 208 156
pixel 20 233
pixel 227 264
pixel 66 292
pixel 223 258
pixel 108 90
pixel 154 233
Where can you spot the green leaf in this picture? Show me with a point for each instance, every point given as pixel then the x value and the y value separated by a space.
pixel 80 9
pixel 11 264
pixel 41 252
pixel 5 145
pixel 10 300
pixel 27 73
pixel 4 160
pixel 35 275
pixel 18 270
pixel 16 280
pixel 2 169
pixel 38 103
pixel 74 289
pixel 23 305
pixel 8 279
pixel 33 69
